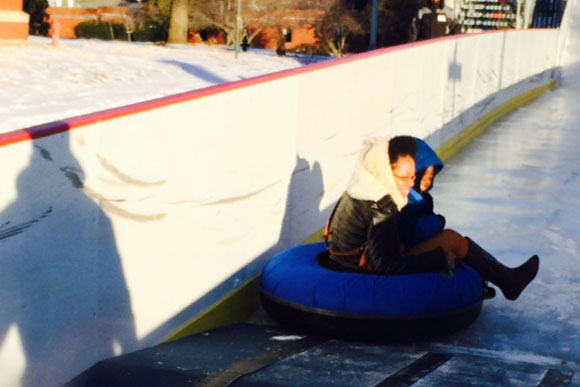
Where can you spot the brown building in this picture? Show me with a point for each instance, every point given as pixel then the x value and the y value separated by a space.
pixel 280 30
pixel 287 30
pixel 13 20
pixel 69 18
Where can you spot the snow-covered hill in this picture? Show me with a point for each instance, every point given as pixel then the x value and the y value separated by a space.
pixel 40 83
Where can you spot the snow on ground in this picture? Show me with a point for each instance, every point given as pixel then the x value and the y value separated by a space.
pixel 41 83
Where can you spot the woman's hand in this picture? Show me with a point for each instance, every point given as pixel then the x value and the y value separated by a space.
pixel 451 257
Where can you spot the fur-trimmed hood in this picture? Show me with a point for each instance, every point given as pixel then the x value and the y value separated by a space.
pixel 372 178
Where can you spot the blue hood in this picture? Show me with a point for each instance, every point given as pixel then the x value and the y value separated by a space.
pixel 426 157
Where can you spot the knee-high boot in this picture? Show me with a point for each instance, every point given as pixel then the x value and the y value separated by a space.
pixel 510 281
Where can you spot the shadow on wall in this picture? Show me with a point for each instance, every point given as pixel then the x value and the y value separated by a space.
pixel 61 281
pixel 454 76
pixel 302 218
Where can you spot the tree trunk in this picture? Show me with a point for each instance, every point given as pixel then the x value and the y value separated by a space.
pixel 178 23
pixel 254 34
pixel 333 49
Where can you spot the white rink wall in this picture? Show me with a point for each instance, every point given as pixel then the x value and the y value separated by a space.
pixel 115 233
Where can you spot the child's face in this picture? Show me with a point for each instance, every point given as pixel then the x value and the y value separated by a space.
pixel 427 179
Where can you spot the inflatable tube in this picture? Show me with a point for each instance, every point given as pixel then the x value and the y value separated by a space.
pixel 296 289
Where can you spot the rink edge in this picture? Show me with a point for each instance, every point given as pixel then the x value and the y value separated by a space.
pixel 477 128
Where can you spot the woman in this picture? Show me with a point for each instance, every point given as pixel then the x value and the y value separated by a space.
pixel 365 225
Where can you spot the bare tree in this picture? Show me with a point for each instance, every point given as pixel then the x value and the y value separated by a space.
pixel 129 24
pixel 152 15
pixel 222 14
pixel 219 14
pixel 339 22
pixel 395 18
pixel 178 23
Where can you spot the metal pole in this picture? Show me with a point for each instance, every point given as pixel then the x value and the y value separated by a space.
pixel 238 27
pixel 519 15
pixel 528 12
pixel 374 22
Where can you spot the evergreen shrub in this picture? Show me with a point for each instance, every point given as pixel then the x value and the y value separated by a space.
pixel 38 17
pixel 144 32
pixel 95 30
pixel 150 32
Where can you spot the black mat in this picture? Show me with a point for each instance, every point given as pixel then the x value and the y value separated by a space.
pixel 214 358
pixel 259 355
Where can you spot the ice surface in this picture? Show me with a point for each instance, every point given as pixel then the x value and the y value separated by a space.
pixel 515 190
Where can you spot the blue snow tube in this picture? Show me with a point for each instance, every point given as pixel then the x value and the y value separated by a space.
pixel 296 289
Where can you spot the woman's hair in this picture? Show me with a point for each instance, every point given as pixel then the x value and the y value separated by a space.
pixel 402 146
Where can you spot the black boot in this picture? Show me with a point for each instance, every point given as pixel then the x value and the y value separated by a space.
pixel 511 282
pixel 488 291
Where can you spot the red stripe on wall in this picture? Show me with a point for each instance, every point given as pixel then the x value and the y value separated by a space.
pixel 67 124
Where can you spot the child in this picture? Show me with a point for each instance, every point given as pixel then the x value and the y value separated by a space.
pixel 418 221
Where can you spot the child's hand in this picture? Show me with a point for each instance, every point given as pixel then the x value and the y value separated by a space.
pixel 450 260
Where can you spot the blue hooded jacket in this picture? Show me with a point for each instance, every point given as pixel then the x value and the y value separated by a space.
pixel 418 221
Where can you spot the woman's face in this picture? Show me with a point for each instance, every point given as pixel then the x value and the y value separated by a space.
pixel 404 173
pixel 427 178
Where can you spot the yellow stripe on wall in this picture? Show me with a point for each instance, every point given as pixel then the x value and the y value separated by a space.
pixel 477 128
pixel 237 306
pixel 242 302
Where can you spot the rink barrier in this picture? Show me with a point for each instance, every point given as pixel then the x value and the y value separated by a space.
pixel 309 147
